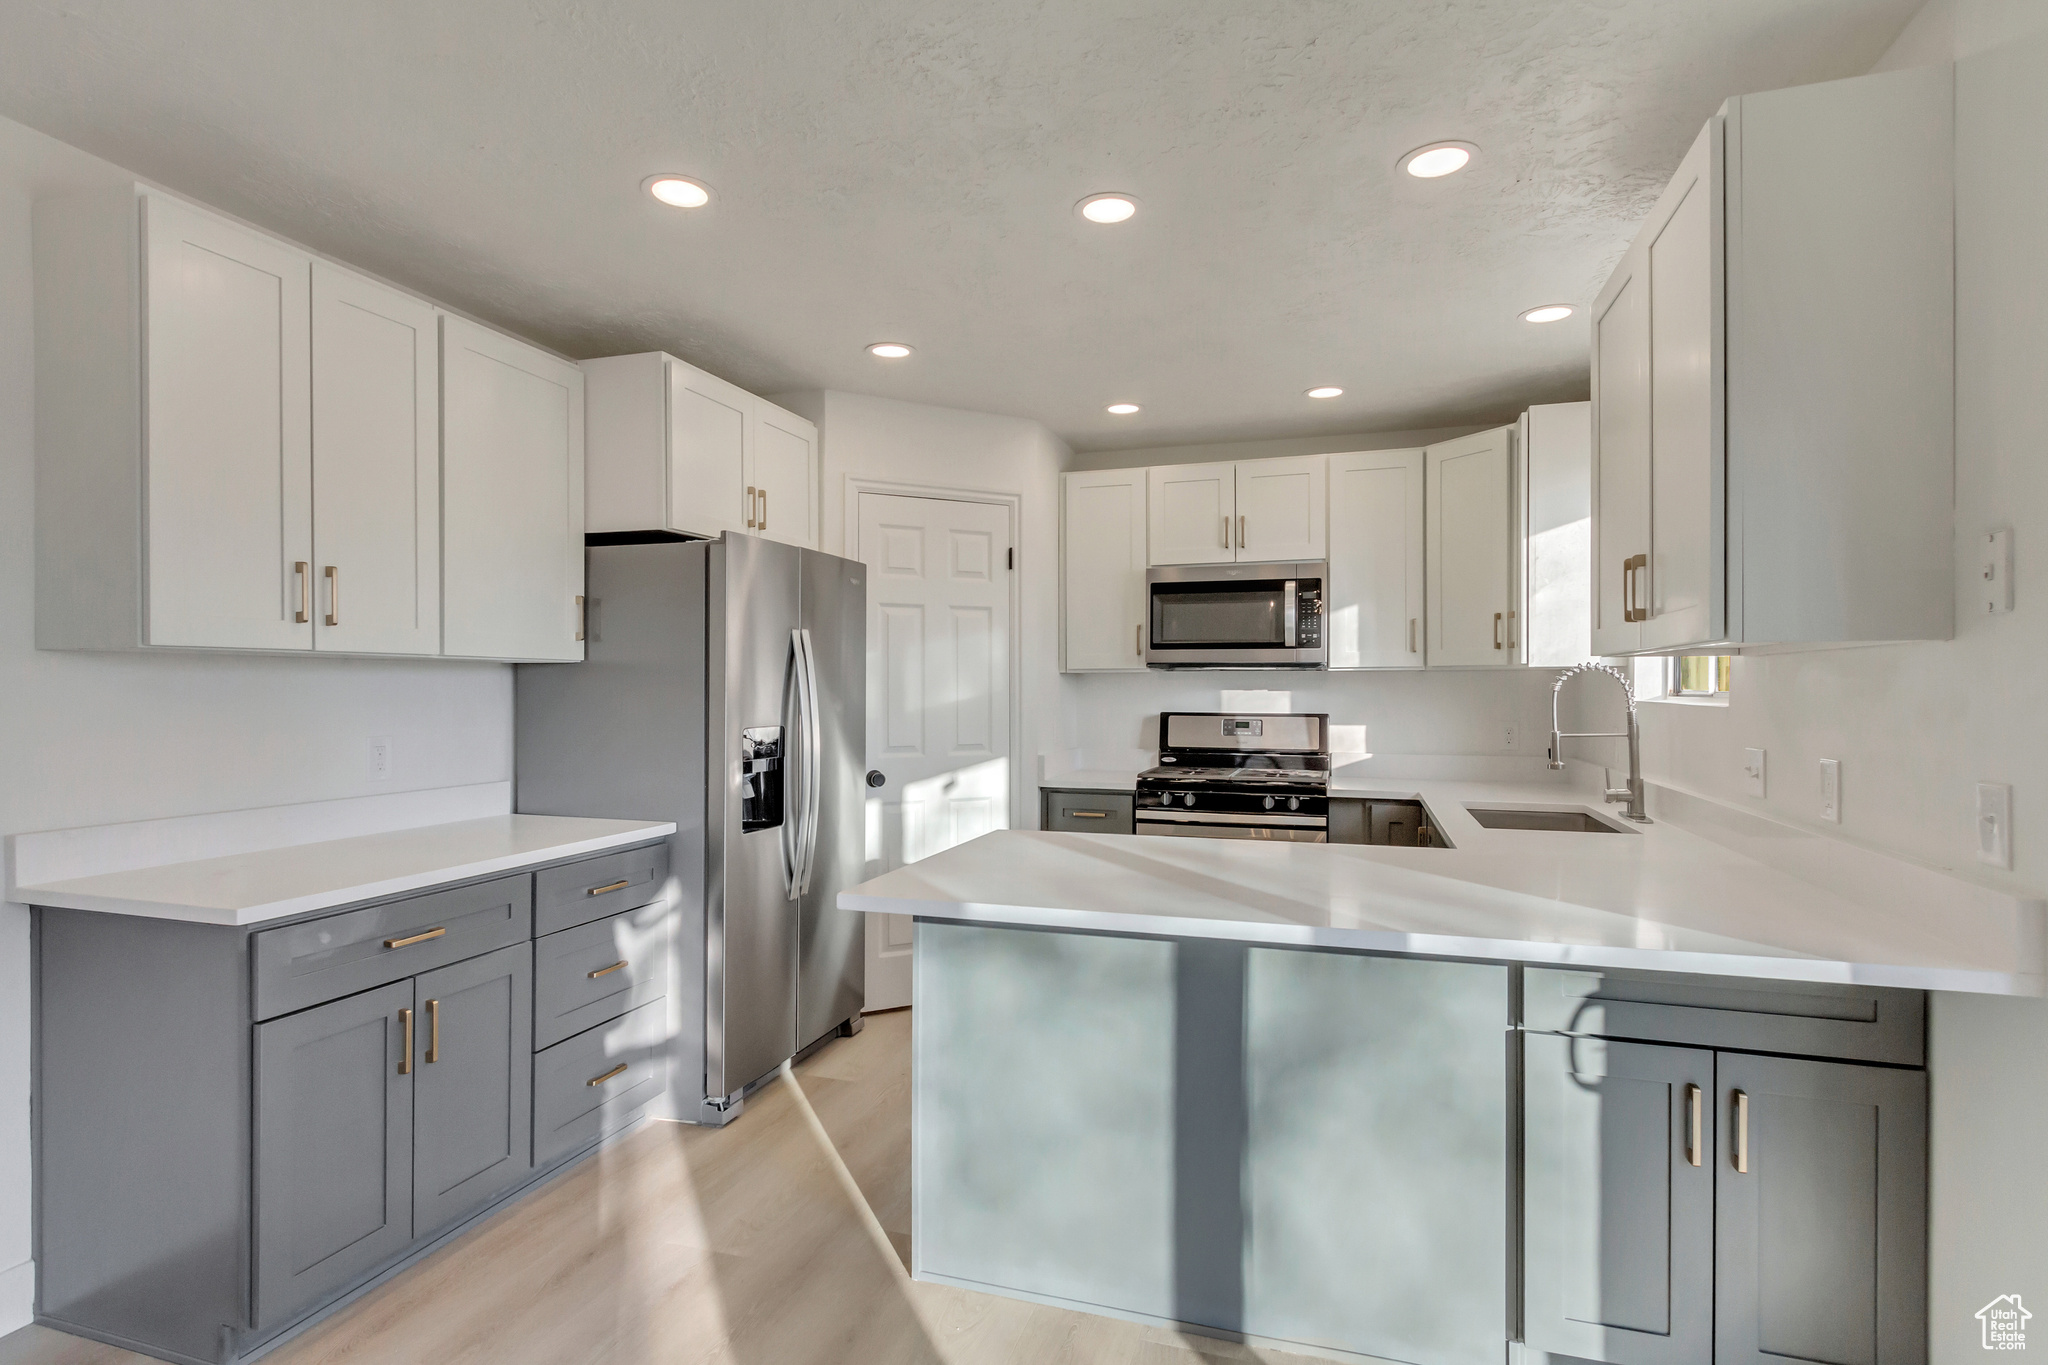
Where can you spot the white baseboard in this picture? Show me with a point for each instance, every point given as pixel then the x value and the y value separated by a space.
pixel 17 1297
pixel 59 855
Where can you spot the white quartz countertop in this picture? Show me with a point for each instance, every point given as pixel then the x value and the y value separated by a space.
pixel 1724 893
pixel 272 883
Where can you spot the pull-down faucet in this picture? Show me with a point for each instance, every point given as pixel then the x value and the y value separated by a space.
pixel 1633 792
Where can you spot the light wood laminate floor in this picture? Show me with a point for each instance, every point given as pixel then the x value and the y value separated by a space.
pixel 781 1239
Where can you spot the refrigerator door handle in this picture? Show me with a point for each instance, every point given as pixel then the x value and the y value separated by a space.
pixel 814 759
pixel 794 804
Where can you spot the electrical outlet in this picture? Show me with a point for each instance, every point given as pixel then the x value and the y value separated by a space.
pixel 1753 771
pixel 1994 824
pixel 1831 789
pixel 1508 735
pixel 380 759
pixel 1996 572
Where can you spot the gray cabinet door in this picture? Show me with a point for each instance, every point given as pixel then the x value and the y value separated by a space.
pixel 333 1149
pixel 473 1089
pixel 1821 1205
pixel 1618 1231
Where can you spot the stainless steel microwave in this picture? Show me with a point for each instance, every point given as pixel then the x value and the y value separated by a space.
pixel 1235 616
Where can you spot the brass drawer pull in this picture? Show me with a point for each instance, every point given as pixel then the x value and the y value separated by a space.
pixel 607 971
pixel 1692 1139
pixel 405 1059
pixel 614 886
pixel 434 932
pixel 600 1080
pixel 1089 814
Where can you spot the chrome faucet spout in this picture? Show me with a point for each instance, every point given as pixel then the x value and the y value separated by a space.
pixel 1633 792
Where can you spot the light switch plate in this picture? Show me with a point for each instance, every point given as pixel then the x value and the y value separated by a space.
pixel 1753 771
pixel 1831 789
pixel 1995 574
pixel 1994 824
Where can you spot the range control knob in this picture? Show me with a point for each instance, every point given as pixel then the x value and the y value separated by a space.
pixel 1269 803
pixel 1294 803
pixel 1188 800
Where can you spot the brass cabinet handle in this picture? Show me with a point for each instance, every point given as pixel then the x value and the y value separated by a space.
pixel 764 511
pixel 1240 530
pixel 750 507
pixel 607 971
pixel 1742 1131
pixel 1138 640
pixel 1411 635
pixel 1496 630
pixel 1633 606
pixel 1692 1136
pixel 582 617
pixel 407 942
pixel 305 611
pixel 433 1031
pixel 333 595
pixel 405 1060
pixel 600 1080
pixel 610 886
pixel 1089 814
pixel 1512 640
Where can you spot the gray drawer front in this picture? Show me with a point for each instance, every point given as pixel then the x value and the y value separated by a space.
pixel 1088 812
pixel 569 1113
pixel 1803 1019
pixel 577 893
pixel 324 959
pixel 578 979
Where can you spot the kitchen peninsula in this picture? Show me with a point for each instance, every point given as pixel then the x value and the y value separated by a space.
pixel 1594 1094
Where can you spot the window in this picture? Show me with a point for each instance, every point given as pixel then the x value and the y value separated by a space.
pixel 1699 675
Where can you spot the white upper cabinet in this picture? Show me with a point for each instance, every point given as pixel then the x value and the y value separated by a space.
pixel 1373 617
pixel 672 448
pixel 1102 587
pixel 376 468
pixel 1192 513
pixel 512 498
pixel 1249 510
pixel 785 476
pixel 230 478
pixel 1773 380
pixel 1473 549
pixel 1280 508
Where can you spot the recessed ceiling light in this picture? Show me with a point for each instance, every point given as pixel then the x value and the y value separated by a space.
pixel 1123 409
pixel 1326 391
pixel 1438 158
pixel 1107 208
pixel 889 350
pixel 1549 312
pixel 678 192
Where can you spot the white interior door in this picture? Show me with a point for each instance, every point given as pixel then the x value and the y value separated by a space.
pixel 1373 615
pixel 1191 511
pixel 1280 509
pixel 938 694
pixel 230 500
pixel 1470 568
pixel 376 468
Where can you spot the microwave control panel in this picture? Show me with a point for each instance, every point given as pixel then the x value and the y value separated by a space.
pixel 1309 619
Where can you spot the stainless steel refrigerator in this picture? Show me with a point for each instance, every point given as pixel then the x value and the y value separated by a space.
pixel 723 687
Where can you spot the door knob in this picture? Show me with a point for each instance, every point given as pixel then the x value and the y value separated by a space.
pixel 875 778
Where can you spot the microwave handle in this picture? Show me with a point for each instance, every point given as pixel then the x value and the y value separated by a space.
pixel 1290 615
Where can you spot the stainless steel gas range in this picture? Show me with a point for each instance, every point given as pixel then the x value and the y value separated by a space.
pixel 1223 776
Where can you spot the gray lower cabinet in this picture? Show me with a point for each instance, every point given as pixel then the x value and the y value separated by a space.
pixel 1821 1213
pixel 333 1149
pixel 1618 1190
pixel 473 1086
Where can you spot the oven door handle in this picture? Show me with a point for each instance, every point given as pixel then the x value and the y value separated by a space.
pixel 1290 614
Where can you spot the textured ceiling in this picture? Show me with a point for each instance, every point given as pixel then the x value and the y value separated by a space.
pixel 907 170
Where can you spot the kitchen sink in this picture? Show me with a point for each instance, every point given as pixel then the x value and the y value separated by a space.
pixel 1561 819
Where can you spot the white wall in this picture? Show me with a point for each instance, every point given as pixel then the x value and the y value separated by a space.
pixel 1916 727
pixel 98 738
pixel 946 448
